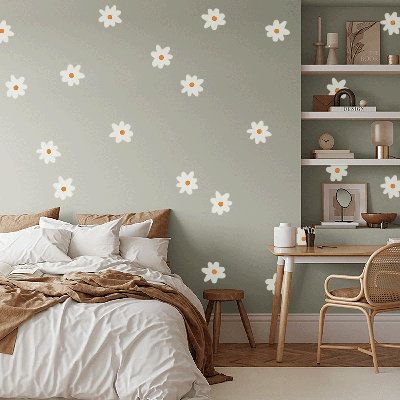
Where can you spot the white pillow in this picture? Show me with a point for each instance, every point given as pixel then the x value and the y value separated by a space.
pixel 140 229
pixel 97 240
pixel 150 253
pixel 34 245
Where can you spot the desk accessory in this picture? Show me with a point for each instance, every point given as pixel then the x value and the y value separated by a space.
pixel 322 102
pixel 332 43
pixel 310 236
pixel 363 42
pixel 379 220
pixel 348 93
pixel 285 235
pixel 382 138
pixel 319 44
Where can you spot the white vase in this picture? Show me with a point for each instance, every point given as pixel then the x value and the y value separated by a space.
pixel 284 235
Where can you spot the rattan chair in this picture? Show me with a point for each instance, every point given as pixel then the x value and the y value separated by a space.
pixel 379 291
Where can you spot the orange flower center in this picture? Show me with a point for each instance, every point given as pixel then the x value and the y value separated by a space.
pixel 214 271
pixel 259 131
pixel 337 170
pixel 71 75
pixel 187 183
pixel 276 30
pixel 220 203
pixel 392 185
pixel 122 132
pixel 109 16
pixel 214 18
pixel 161 57
pixel 392 22
pixel 191 84
pixel 15 87
pixel 63 189
pixel 1 30
pixel 48 151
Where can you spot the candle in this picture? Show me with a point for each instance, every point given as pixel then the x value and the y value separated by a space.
pixel 319 30
pixel 332 40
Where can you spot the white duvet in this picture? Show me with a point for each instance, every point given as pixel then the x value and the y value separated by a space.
pixel 123 349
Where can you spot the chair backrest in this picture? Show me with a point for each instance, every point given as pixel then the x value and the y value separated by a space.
pixel 382 276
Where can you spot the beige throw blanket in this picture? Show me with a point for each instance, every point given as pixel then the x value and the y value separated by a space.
pixel 20 300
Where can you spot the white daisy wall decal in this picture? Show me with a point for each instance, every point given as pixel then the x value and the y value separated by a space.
pixel 301 237
pixel 220 203
pixel 213 19
pixel 5 32
pixel 277 31
pixel 337 172
pixel 72 75
pixel 335 86
pixel 259 132
pixel 16 87
pixel 48 152
pixel 121 132
pixel 161 57
pixel 391 187
pixel 110 16
pixel 271 284
pixel 213 272
pixel 63 188
pixel 192 85
pixel 391 23
pixel 186 182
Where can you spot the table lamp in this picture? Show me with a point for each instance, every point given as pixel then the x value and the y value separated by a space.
pixel 382 138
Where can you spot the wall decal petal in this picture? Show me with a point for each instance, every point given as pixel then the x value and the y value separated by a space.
pixel 187 182
pixel 16 87
pixel 391 187
pixel 110 16
pixel 277 31
pixel 161 57
pixel 213 19
pixel 72 75
pixel 192 85
pixel 121 132
pixel 213 272
pixel 391 23
pixel 220 203
pixel 48 152
pixel 337 172
pixel 63 188
pixel 259 132
pixel 5 32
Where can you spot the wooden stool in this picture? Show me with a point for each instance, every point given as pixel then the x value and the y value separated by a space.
pixel 220 295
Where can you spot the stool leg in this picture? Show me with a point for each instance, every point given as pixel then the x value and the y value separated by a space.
pixel 217 325
pixel 246 323
pixel 209 309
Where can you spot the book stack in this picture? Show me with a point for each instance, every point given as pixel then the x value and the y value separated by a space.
pixel 332 154
pixel 338 225
pixel 352 109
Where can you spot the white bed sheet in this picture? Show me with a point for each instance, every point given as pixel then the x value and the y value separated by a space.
pixel 124 349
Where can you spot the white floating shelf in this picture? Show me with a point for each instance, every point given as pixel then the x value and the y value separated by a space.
pixel 357 115
pixel 350 161
pixel 350 69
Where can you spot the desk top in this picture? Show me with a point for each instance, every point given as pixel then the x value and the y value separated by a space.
pixel 339 250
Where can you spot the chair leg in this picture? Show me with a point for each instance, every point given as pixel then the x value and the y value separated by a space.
pixel 217 325
pixel 322 315
pixel 372 341
pixel 246 323
pixel 209 309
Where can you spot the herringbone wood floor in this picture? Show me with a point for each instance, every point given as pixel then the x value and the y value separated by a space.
pixel 299 355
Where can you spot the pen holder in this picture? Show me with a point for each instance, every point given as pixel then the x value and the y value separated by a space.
pixel 310 239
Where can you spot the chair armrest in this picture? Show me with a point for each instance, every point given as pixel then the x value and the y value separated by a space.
pixel 345 277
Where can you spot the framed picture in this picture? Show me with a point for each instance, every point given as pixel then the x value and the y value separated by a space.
pixel 331 209
pixel 363 42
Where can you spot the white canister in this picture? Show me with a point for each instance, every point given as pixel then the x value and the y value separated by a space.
pixel 284 235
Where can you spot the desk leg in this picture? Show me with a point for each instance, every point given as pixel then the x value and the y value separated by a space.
pixel 277 300
pixel 289 266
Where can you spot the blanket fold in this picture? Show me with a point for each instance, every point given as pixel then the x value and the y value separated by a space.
pixel 21 300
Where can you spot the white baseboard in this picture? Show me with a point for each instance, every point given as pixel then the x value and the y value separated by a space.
pixel 303 328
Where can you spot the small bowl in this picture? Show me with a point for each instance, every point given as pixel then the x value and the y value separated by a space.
pixel 377 220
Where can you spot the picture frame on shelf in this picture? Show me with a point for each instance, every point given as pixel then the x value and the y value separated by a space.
pixel 331 210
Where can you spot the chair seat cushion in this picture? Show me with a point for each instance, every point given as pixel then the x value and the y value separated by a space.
pixel 347 292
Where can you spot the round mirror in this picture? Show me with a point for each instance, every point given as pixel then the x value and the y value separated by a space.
pixel 343 197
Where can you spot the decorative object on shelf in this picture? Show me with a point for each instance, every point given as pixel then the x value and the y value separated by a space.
pixel 344 199
pixel 322 102
pixel 349 93
pixel 326 141
pixel 310 236
pixel 337 225
pixel 331 209
pixel 332 154
pixel 332 43
pixel 301 237
pixel 382 138
pixel 363 40
pixel 285 235
pixel 379 220
pixel 393 59
pixel 363 103
pixel 319 44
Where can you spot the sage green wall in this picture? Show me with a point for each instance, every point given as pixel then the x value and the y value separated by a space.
pixel 247 77
pixel 378 90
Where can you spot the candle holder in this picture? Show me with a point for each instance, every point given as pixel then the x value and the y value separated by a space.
pixel 332 55
pixel 319 53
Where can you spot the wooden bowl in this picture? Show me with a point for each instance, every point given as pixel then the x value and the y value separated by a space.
pixel 375 219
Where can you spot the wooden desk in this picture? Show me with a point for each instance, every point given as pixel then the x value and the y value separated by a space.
pixel 287 258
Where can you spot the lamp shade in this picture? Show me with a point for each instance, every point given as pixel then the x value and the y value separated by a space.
pixel 382 133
